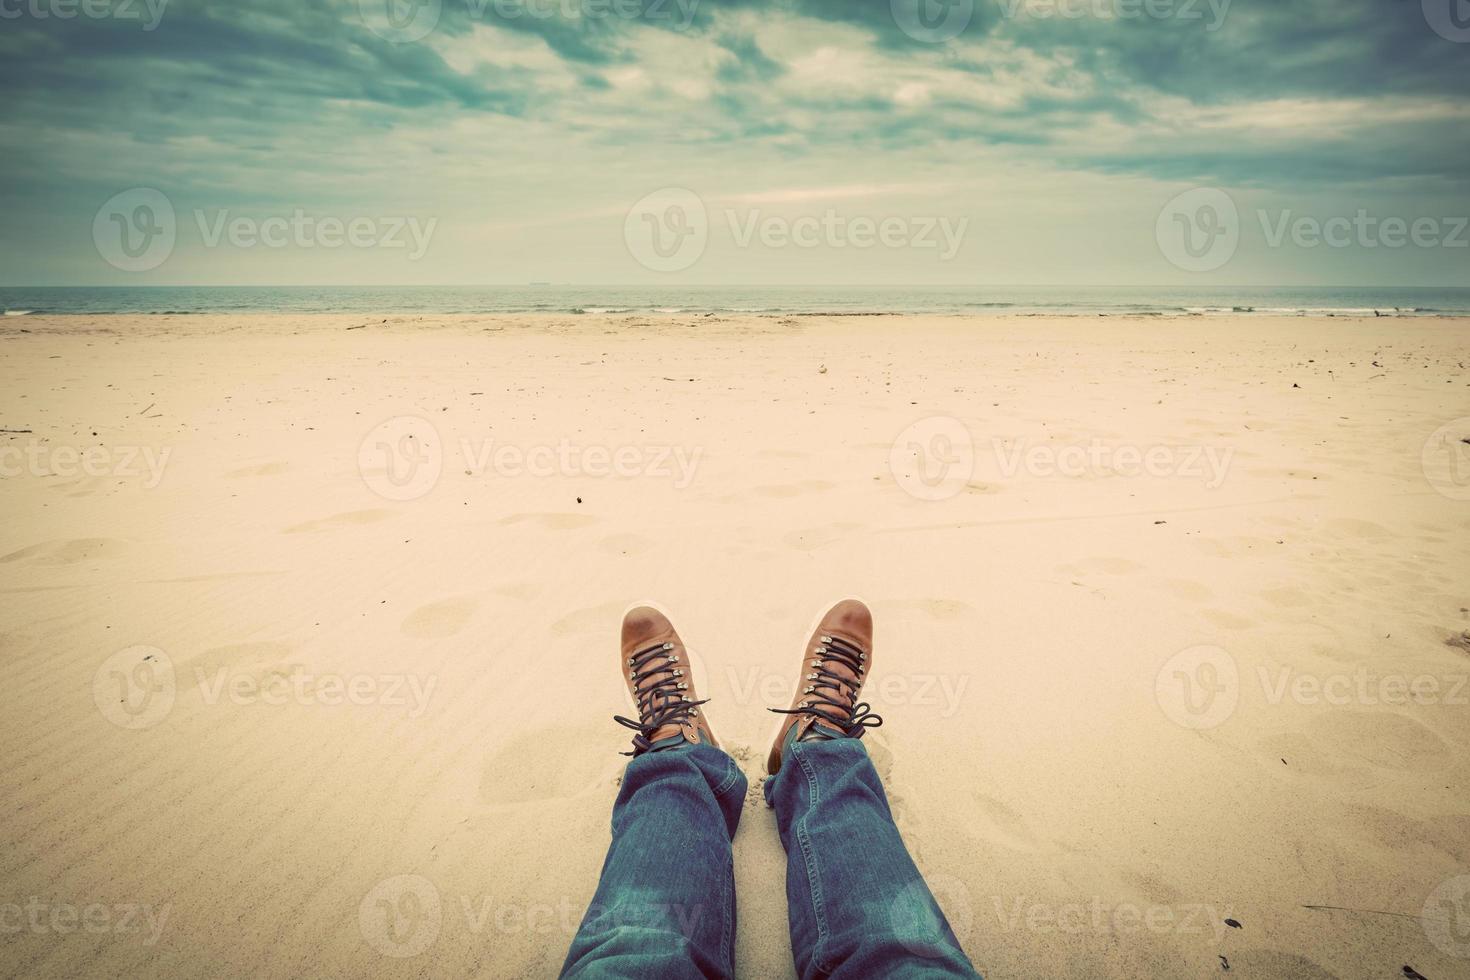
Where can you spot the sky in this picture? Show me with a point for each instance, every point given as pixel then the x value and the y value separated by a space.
pixel 683 142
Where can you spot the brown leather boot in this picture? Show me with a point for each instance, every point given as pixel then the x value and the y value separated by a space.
pixel 834 665
pixel 656 669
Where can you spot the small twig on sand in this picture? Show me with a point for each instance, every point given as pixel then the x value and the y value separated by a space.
pixel 17 432
pixel 150 405
pixel 1339 908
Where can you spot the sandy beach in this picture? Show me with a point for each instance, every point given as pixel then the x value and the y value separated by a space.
pixel 309 627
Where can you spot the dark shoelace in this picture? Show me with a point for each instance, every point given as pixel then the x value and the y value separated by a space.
pixel 852 719
pixel 662 702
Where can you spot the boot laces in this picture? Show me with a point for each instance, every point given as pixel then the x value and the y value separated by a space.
pixel 831 697
pixel 659 687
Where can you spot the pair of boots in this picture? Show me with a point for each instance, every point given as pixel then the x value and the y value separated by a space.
pixel 834 665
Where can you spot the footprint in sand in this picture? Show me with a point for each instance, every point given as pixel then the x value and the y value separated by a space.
pixel 257 660
pixel 1397 832
pixel 1348 527
pixel 1002 825
pixel 84 486
pixel 1227 620
pixel 794 489
pixel 1110 566
pixel 1287 598
pixel 1274 963
pixel 813 538
pixel 604 617
pixel 552 522
pixel 351 518
pixel 1187 589
pixel 506 779
pixel 517 590
pixel 1379 738
pixel 625 544
pixel 1154 890
pixel 438 620
pixel 68 552
pixel 1233 547
pixel 938 608
pixel 260 469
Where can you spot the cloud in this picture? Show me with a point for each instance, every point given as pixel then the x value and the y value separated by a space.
pixel 302 101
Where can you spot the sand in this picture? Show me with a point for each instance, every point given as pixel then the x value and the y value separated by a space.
pixel 273 708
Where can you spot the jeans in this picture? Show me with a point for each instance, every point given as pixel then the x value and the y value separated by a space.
pixel 665 906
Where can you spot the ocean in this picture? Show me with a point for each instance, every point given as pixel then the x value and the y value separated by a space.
pixel 553 298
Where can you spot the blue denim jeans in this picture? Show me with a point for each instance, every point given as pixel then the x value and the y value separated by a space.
pixel 665 906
